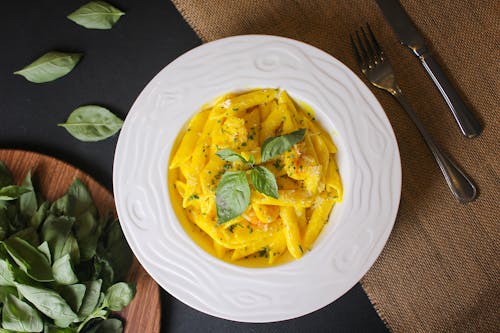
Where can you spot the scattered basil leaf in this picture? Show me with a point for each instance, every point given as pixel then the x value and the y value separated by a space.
pixel 49 303
pixel 73 295
pixel 231 156
pixel 232 195
pixel 27 201
pixel 63 271
pixel 277 145
pixel 96 15
pixel 50 66
pixel 264 181
pixel 12 192
pixel 91 123
pixel 119 296
pixel 20 316
pixel 110 325
pixel 5 175
pixel 30 260
pixel 89 302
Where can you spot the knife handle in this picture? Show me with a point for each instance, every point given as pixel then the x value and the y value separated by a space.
pixel 468 123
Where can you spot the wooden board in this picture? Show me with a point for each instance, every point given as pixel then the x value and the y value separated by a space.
pixel 52 178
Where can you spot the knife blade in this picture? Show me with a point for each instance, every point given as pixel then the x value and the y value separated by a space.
pixel 408 35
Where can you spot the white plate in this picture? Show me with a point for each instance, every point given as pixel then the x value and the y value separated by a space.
pixel 358 228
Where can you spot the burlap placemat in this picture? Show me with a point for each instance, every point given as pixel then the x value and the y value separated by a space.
pixel 439 271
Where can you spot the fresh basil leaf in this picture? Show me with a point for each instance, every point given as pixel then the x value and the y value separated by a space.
pixel 40 215
pixel 76 201
pixel 231 156
pixel 50 66
pixel 6 291
pixel 28 234
pixel 56 231
pixel 89 303
pixel 6 273
pixel 115 251
pixel 73 295
pixel 44 248
pixel 28 204
pixel 6 178
pixel 30 260
pixel 87 233
pixel 12 192
pixel 103 271
pixel 264 181
pixel 119 295
pixel 63 271
pixel 232 195
pixel 20 316
pixel 251 159
pixel 96 15
pixel 277 145
pixel 49 303
pixel 4 223
pixel 91 123
pixel 110 325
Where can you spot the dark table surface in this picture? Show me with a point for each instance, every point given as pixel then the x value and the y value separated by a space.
pixel 117 64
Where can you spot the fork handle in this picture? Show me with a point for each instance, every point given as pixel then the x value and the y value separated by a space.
pixel 460 185
pixel 468 123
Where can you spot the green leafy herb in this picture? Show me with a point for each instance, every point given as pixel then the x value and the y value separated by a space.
pixel 119 296
pixel 73 295
pixel 277 145
pixel 110 325
pixel 12 192
pixel 5 176
pixel 231 156
pixel 96 15
pixel 63 271
pixel 264 181
pixel 232 195
pixel 6 273
pixel 49 303
pixel 89 302
pixel 27 201
pixel 50 66
pixel 20 316
pixel 30 260
pixel 91 123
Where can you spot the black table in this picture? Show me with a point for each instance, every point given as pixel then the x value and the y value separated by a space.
pixel 118 63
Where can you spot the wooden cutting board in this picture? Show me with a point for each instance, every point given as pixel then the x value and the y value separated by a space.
pixel 52 177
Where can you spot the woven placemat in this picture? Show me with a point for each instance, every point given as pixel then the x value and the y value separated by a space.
pixel 439 271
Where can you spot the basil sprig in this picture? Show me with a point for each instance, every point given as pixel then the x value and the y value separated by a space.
pixel 96 15
pixel 232 196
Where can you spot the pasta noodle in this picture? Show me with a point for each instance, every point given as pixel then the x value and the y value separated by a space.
pixel 271 230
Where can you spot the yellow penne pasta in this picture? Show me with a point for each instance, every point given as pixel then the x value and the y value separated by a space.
pixel 299 198
pixel 277 247
pixel 291 230
pixel 318 219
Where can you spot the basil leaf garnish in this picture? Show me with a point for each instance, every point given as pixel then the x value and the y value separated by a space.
pixel 232 195
pixel 92 123
pixel 50 66
pixel 96 15
pixel 231 156
pixel 277 145
pixel 264 181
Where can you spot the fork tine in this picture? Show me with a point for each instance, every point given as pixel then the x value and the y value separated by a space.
pixel 364 54
pixel 356 53
pixel 378 50
pixel 371 52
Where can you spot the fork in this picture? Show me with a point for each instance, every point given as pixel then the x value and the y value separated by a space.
pixel 376 67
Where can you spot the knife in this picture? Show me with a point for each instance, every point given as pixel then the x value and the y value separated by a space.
pixel 409 36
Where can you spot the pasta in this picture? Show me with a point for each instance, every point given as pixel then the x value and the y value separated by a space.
pixel 271 230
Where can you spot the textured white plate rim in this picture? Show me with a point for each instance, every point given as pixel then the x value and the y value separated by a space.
pixel 132 212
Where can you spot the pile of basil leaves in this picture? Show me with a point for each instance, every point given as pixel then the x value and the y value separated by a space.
pixel 60 262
